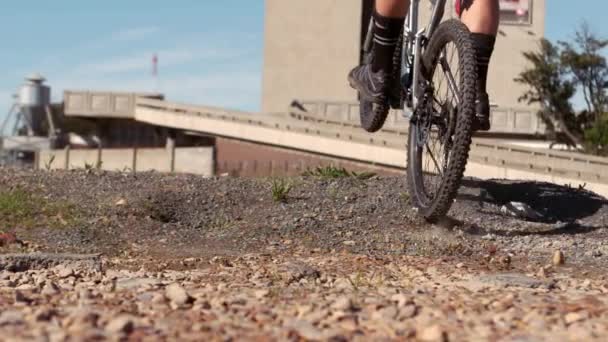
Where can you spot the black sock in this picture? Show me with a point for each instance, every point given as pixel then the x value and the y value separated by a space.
pixel 484 46
pixel 386 38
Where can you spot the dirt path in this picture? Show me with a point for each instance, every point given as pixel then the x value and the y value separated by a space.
pixel 184 257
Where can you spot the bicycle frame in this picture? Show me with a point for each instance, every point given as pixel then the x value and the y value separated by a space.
pixel 413 40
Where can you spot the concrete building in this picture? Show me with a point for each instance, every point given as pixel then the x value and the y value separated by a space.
pixel 311 45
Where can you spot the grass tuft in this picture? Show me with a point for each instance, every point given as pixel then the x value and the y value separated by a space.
pixel 333 172
pixel 280 189
pixel 19 208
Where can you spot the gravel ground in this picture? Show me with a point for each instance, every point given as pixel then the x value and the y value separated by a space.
pixel 184 257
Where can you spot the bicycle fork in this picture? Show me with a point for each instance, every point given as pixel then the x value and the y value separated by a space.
pixel 411 53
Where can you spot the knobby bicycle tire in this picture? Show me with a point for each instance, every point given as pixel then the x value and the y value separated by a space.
pixel 432 209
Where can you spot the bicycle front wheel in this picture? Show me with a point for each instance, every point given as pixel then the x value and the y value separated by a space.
pixel 441 130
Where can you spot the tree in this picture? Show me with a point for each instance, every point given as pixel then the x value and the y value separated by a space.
pixel 584 61
pixel 555 74
pixel 549 86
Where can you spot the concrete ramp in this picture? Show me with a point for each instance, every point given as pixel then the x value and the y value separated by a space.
pixel 343 139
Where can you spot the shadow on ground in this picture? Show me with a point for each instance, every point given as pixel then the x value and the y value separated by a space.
pixel 563 207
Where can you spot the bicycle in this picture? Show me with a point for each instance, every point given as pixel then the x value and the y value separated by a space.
pixel 422 57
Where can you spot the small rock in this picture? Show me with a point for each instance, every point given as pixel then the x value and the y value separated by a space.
pixel 11 318
pixel 542 273
pixel 63 271
pixel 259 294
pixel 85 294
pixel 121 324
pixel 385 314
pixel 121 202
pixel 343 304
pixel 305 330
pixel 401 299
pixel 7 239
pixel 408 311
pixel 50 289
pixel 26 287
pixel 82 319
pixel 44 314
pixel 21 298
pixel 158 298
pixel 574 317
pixel 133 283
pixel 432 334
pixel 296 271
pixel 177 295
pixel 505 260
pixel 558 258
pixel 349 243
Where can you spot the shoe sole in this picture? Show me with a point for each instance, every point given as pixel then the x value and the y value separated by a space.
pixel 363 93
pixel 481 126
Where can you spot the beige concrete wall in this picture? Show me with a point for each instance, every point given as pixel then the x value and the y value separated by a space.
pixel 508 61
pixel 117 159
pixel 102 104
pixel 196 160
pixel 311 45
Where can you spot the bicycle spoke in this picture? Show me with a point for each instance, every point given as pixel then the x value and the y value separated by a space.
pixel 438 168
pixel 436 146
pixel 450 79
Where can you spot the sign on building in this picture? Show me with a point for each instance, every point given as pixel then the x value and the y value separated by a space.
pixel 515 11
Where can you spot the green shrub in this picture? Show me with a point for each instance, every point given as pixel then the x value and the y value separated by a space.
pixel 280 188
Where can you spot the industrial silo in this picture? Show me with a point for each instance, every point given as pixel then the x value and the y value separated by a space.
pixel 34 97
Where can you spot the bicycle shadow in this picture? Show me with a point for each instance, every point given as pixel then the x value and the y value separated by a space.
pixel 560 207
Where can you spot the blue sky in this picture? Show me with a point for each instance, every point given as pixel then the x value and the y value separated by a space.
pixel 210 52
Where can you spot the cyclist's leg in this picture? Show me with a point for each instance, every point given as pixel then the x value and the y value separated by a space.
pixel 372 81
pixel 482 17
pixel 392 8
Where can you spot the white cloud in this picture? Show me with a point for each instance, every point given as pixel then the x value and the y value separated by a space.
pixel 133 34
pixel 183 68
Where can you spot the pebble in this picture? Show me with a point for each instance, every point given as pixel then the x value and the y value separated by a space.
pixel 63 271
pixel 401 299
pixel 177 295
pixel 259 294
pixel 44 314
pixel 408 311
pixel 20 297
pixel 121 324
pixel 573 317
pixel 343 304
pixel 305 330
pixel 50 289
pixel 433 333
pixel 558 258
pixel 11 317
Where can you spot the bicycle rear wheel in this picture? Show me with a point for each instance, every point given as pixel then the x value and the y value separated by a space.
pixel 440 131
pixel 373 115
